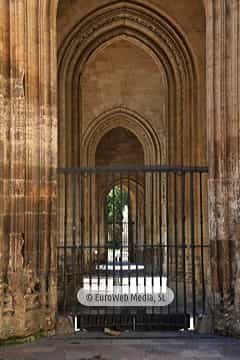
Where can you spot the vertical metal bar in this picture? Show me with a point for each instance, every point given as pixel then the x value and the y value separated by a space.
pixel 184 248
pixel 144 228
pixel 129 226
pixel 90 228
pixel 97 248
pixel 74 240
pixel 136 231
pixel 114 228
pixel 202 242
pixel 121 229
pixel 176 240
pixel 78 244
pixel 97 201
pixel 82 218
pixel 106 234
pixel 167 224
pixel 65 242
pixel 193 245
pixel 152 229
pixel 161 252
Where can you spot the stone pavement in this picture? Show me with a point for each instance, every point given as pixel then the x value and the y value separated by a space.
pixel 134 347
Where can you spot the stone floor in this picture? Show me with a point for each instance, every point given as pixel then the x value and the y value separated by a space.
pixel 142 346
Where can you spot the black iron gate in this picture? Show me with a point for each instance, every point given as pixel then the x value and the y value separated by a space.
pixel 138 227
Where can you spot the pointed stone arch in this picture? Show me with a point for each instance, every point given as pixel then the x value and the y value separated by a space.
pixel 154 152
pixel 162 41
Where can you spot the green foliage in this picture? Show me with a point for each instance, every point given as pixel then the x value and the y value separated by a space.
pixel 116 201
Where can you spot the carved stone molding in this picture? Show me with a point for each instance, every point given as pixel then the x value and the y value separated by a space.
pixel 154 150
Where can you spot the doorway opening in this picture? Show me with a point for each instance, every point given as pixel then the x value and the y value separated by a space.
pixel 129 111
pixel 118 231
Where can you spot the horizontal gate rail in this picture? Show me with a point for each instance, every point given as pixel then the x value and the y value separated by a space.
pixel 144 169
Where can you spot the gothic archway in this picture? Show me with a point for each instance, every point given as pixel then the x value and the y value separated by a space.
pixel 160 40
pixel 30 84
pixel 166 139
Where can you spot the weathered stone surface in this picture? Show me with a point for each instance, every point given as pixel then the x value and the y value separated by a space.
pixel 64 325
pixel 26 153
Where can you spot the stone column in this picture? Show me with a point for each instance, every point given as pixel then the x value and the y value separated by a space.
pixel 223 81
pixel 4 147
pixel 28 161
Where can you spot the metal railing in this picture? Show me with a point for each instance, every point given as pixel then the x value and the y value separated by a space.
pixel 165 238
